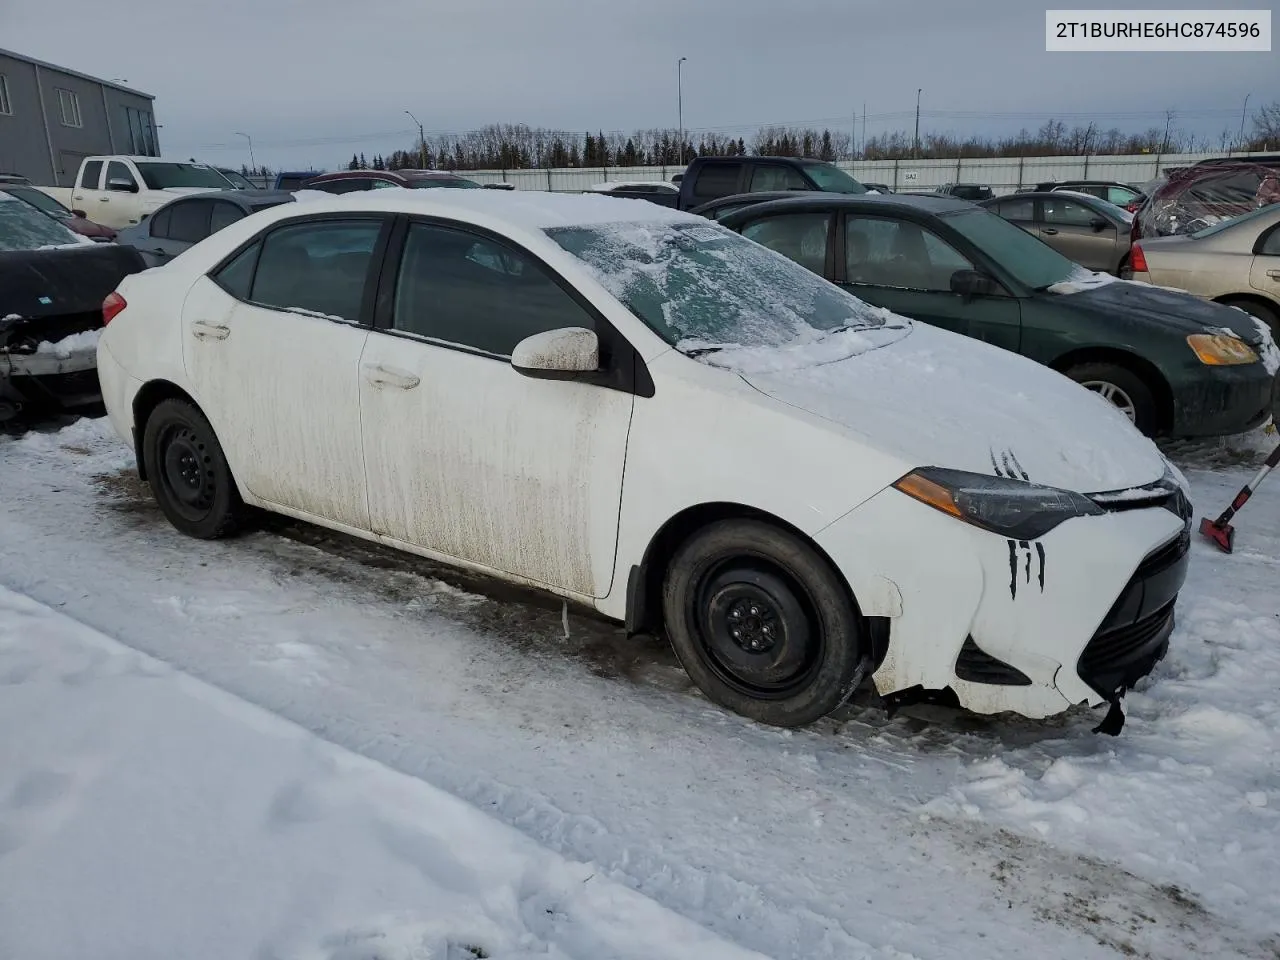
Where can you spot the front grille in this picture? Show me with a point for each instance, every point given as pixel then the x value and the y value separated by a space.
pixel 1122 656
pixel 977 666
pixel 1165 556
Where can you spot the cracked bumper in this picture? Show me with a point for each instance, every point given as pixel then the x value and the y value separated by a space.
pixel 1036 607
pixel 47 379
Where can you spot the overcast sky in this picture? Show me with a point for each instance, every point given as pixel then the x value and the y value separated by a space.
pixel 314 81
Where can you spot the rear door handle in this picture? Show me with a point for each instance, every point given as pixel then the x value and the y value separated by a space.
pixel 383 376
pixel 204 330
pixel 1274 274
pixel 104 199
pixel 1049 231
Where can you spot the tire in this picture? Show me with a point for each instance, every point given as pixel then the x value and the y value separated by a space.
pixel 189 474
pixel 799 652
pixel 1268 315
pixel 1124 388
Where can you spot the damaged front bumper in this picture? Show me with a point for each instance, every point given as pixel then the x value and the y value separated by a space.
pixel 1034 628
pixel 48 380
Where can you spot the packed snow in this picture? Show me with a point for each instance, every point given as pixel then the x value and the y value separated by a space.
pixel 423 766
pixel 75 343
pixel 1270 350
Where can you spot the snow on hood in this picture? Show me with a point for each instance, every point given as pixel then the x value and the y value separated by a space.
pixel 935 398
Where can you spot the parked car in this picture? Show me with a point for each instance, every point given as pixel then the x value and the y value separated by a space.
pixel 1174 364
pixel 726 205
pixel 121 191
pixel 1092 232
pixel 294 179
pixel 966 191
pixel 237 180
pixel 710 178
pixel 1236 262
pixel 182 223
pixel 52 284
pixel 1201 195
pixel 655 191
pixel 357 180
pixel 73 221
pixel 469 377
pixel 1113 191
pixel 498 186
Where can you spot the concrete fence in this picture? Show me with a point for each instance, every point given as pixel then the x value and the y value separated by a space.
pixel 1001 174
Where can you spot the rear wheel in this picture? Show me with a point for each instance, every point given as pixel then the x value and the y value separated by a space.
pixel 189 475
pixel 1123 389
pixel 762 624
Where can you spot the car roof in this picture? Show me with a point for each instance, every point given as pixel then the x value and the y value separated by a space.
pixel 929 204
pixel 394 174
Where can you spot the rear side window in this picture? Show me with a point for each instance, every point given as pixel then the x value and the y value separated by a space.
pixel 236 277
pixel 91 175
pixel 320 267
pixel 717 180
pixel 189 221
pixel 768 177
pixel 1271 246
pixel 1019 208
pixel 1120 195
pixel 224 214
pixel 160 223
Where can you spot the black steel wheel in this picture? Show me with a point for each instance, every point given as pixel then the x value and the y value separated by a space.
pixel 762 623
pixel 189 475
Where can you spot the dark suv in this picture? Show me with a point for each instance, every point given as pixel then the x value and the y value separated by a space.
pixel 351 181
pixel 710 178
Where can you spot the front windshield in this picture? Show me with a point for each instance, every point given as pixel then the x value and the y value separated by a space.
pixel 1031 262
pixel 455 182
pixel 162 176
pixel 41 201
pixel 700 285
pixel 23 227
pixel 831 179
pixel 1234 221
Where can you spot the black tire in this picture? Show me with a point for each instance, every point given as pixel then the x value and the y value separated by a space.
pixel 1141 399
pixel 799 652
pixel 1267 315
pixel 189 475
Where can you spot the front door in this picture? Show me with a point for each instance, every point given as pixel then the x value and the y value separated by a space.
pixel 907 268
pixel 273 354
pixel 465 456
pixel 1079 233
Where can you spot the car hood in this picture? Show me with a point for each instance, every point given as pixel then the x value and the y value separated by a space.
pixel 934 398
pixel 1156 306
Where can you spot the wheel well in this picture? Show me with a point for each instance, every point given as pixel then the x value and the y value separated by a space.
pixel 1234 298
pixel 145 401
pixel 1146 370
pixel 644 589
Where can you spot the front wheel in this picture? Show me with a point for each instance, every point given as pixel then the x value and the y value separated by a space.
pixel 1123 389
pixel 189 475
pixel 762 624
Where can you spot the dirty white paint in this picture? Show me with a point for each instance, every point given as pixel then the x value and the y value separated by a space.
pixel 569 349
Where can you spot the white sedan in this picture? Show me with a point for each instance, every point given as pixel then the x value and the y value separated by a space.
pixel 645 413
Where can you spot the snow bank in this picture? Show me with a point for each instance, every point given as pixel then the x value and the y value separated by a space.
pixel 154 815
pixel 64 348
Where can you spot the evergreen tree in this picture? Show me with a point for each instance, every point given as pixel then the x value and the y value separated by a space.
pixel 827 151
pixel 354 164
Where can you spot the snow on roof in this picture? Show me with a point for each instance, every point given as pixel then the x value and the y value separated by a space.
pixel 625 184
pixel 529 209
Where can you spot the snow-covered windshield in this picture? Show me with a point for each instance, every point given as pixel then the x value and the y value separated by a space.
pixel 23 227
pixel 699 284
pixel 164 176
pixel 1032 262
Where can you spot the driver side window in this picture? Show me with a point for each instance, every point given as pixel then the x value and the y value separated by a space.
pixel 898 253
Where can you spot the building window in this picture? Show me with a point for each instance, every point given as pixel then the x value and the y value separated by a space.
pixel 6 105
pixel 141 128
pixel 69 104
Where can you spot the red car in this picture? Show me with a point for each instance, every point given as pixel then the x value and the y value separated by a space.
pixel 73 220
pixel 1198 196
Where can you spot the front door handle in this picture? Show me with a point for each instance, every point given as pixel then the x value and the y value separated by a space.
pixel 1274 274
pixel 204 330
pixel 383 376
pixel 104 199
pixel 1049 231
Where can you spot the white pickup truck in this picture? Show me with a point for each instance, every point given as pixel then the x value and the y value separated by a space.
pixel 120 191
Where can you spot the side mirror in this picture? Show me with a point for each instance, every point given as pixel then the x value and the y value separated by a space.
pixel 1098 224
pixel 973 283
pixel 120 185
pixel 564 354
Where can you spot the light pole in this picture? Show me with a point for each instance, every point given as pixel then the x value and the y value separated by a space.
pixel 422 142
pixel 915 144
pixel 1243 111
pixel 253 164
pixel 680 103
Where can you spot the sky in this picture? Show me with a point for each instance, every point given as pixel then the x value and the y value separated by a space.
pixel 312 82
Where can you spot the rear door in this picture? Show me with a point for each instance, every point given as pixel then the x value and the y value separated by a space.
pixel 1068 226
pixel 1264 274
pixel 906 267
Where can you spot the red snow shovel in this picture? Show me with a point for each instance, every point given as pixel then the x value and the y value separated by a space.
pixel 1220 531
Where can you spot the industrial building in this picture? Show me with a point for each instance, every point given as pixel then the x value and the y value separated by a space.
pixel 52 117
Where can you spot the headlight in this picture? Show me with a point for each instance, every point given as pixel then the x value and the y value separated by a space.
pixel 1219 350
pixel 1011 508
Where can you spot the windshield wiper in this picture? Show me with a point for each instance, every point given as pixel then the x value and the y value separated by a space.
pixel 702 351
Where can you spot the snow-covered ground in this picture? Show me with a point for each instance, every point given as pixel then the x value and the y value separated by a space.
pixel 293 745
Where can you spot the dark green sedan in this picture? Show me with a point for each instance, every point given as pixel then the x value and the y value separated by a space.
pixel 1168 360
